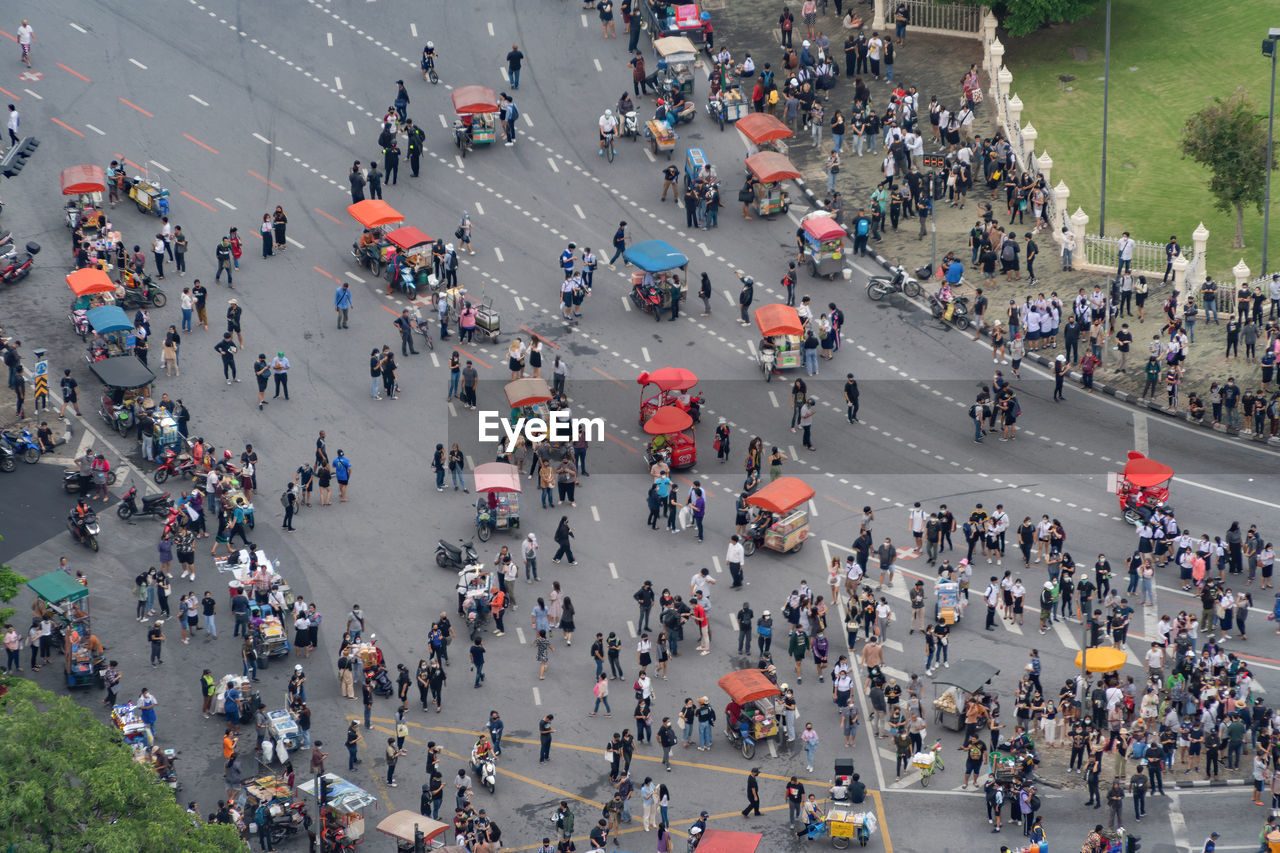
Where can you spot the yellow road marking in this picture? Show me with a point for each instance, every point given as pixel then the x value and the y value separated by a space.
pixel 884 824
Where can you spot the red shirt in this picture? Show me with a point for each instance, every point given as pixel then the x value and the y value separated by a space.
pixel 700 616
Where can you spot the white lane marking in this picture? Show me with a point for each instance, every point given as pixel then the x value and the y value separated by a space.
pixel 584 21
pixel 413 30
pixel 162 167
pixel 498 252
pixel 261 138
pixel 351 127
pixel 33 94
pixel 199 101
pixel 520 635
pixel 599 67
pixel 137 63
pixel 537 697
pixel 813 509
pixel 715 562
pixel 773 399
pixel 337 83
pixel 1064 634
pixel 519 303
pixel 595 513
pixel 626 304
pixel 444 122
pixel 554 167
pixel 328 37
pixel 527 120
pixel 1229 494
pixel 435 360
pixel 95 130
pixel 228 205
pixel 644 352
pixel 730 298
pixel 479 209
pixel 613 570
pixel 76 26
pixel 506 78
pixel 293 242
pixel 649 154
pixel 458 159
pixel 578 209
pixel 357 279
pixel 1178 825
pixel 1140 433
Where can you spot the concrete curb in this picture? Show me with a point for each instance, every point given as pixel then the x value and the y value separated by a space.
pixel 1122 396
pixel 1206 783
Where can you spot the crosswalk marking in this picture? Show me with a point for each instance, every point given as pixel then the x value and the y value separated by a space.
pixel 1066 636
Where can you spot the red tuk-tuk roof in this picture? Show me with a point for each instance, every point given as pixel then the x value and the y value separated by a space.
pixel 667 420
pixel 669 379
pixel 778 319
pixel 526 392
pixel 374 213
pixel 89 280
pixel 80 180
pixel 497 477
pixel 770 166
pixel 1144 472
pixel 823 228
pixel 469 100
pixel 782 495
pixel 727 841
pixel 760 128
pixel 408 237
pixel 748 685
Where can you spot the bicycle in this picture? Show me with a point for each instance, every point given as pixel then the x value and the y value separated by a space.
pixel 927 769
pixel 429 70
pixel 608 147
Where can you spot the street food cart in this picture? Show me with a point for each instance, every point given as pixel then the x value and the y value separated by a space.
pixel 782 523
pixel 673 441
pixel 780 344
pixel 726 841
pixel 125 379
pixel 413 245
pixel 676 55
pixel 148 195
pixel 823 244
pixel 83 187
pixel 652 285
pixel 954 686
pixel 769 169
pixel 527 398
pixel 343 806
pixel 377 218
pixel 282 729
pixel 1141 488
pixel 753 700
pixel 127 719
pixel 662 139
pixel 90 287
pixel 846 824
pixel 694 161
pixel 65 601
pixel 408 828
pixel 670 382
pixel 112 332
pixel 498 502
pixel 761 129
pixel 671 19
pixel 477 121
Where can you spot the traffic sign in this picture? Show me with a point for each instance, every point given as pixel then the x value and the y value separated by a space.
pixel 42 385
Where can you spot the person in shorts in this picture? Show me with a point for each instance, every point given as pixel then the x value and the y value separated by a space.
pixel 974 752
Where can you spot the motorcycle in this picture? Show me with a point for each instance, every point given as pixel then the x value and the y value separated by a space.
pixel 142 296
pixel 740 738
pixel 879 286
pixel 157 505
pixel 23 445
pixel 334 840
pixel 8 461
pixel 15 265
pixel 958 312
pixel 84 529
pixel 71 478
pixel 454 556
pixel 716 109
pixel 173 465
pixel 288 824
pixel 118 415
pixel 486 771
pixel 630 125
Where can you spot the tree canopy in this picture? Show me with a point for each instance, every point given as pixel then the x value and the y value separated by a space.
pixel 10 584
pixel 71 784
pixel 1020 17
pixel 1229 138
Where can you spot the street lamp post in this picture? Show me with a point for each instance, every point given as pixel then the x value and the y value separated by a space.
pixel 1106 91
pixel 1269 45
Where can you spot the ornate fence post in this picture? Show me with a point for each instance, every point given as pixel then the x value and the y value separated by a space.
pixel 1061 192
pixel 999 86
pixel 1180 265
pixel 1029 136
pixel 1045 162
pixel 1079 222
pixel 995 57
pixel 1013 109
pixel 1242 273
pixel 1199 239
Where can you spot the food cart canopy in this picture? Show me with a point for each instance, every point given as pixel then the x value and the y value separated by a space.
pixel 374 213
pixel 408 237
pixel 822 227
pixel 82 180
pixel 654 255
pixel 675 49
pixel 968 675
pixel 58 586
pixel 106 319
pixel 497 477
pixel 778 319
pixel 725 841
pixel 401 825
pixel 770 166
pixel 469 100
pixel 1144 472
pixel 1103 659
pixel 783 494
pixel 122 371
pixel 669 379
pixel 760 128
pixel 89 280
pixel 343 795
pixel 667 420
pixel 526 392
pixel 748 685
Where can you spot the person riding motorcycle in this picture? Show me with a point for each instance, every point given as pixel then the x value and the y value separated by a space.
pixel 608 127
pixel 481 752
pixel 625 105
pixel 82 509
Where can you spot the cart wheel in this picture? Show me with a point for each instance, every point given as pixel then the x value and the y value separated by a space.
pixel 93 543
pixel 749 546
pixel 158 299
pixel 748 750
pixel 840 842
pixel 143 209
pixel 798 546
pixel 668 154
pixel 962 322
pixel 911 288
pixel 375 267
pixel 482 532
pixel 720 117
pixel 813 268
pixel 863 836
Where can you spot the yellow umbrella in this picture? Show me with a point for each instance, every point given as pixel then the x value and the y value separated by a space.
pixel 1103 659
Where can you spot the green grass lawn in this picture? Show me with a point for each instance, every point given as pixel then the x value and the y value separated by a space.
pixel 1168 59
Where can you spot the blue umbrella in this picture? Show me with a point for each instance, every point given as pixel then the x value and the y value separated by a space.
pixel 106 319
pixel 654 256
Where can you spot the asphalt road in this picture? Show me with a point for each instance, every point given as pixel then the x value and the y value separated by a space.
pixel 237 107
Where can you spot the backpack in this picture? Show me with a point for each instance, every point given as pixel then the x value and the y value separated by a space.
pixel 670 618
pixel 284 499
pixel 764 630
pixel 1034 802
pixel 1098 698
pixel 1009 252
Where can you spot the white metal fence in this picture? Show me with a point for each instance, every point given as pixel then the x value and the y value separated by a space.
pixel 954 18
pixel 1147 256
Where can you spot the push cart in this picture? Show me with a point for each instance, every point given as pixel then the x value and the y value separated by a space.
pixel 527 398
pixel 409 828
pixel 666 20
pixel 83 187
pixel 65 602
pixel 127 718
pixel 673 442
pixel 112 333
pixel 845 825
pixel 148 195
pixel 662 139
pixel 275 638
pixel 761 130
pixel 954 686
pixel 676 55
pixel 498 502
pixel 823 244
pixel 342 808
pixel 284 732
pixel 782 520
pixel 769 169
pixel 780 346
pixel 694 161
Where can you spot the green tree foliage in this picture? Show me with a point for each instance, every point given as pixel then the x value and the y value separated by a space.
pixel 1020 17
pixel 10 583
pixel 1229 138
pixel 72 785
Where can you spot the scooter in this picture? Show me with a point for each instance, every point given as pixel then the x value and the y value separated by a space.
pixel 716 109
pixel 288 824
pixel 157 505
pixel 630 125
pixel 879 286
pixel 454 556
pixel 71 477
pixel 486 771
pixel 958 312
pixel 8 461
pixel 15 265
pixel 23 445
pixel 84 529
pixel 173 465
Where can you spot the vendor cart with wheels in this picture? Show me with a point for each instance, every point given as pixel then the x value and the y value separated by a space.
pixel 112 332
pixel 954 686
pixel 676 55
pixel 498 498
pixel 127 719
pixel 672 384
pixel 65 602
pixel 768 170
pixel 673 443
pixel 372 249
pixel 1141 488
pixel 342 806
pixel 694 161
pixel 477 121
pixel 83 187
pixel 148 195
pixel 750 717
pixel 412 831
pixel 780 346
pixel 781 522
pixel 761 131
pixel 282 729
pixel 91 288
pixel 526 398
pixel 667 20
pixel 846 825
pixel 823 244
pixel 125 380
pixel 662 138
pixel 412 268
pixel 653 285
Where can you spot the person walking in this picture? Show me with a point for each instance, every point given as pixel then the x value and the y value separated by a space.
pixel 343 302
pixel 545 731
pixel 753 794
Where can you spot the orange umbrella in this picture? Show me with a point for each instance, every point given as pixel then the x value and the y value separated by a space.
pixel 783 494
pixel 1101 658
pixel 667 420
pixel 90 280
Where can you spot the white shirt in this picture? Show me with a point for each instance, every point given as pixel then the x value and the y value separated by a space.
pixel 917 519
pixel 874 46
pixel 158 248
pixel 734 553
pixel 853 571
pixel 608 124
pixel 748 65
pixel 25 34
pixel 13 120
pixel 187 302
pixel 1125 248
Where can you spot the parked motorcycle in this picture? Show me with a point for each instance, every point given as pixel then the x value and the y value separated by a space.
pixel 23 445
pixel 630 125
pixel 288 824
pixel 144 295
pixel 71 478
pixel 958 312
pixel 716 109
pixel 880 286
pixel 449 556
pixel 173 465
pixel 15 265
pixel 84 528
pixel 8 461
pixel 157 505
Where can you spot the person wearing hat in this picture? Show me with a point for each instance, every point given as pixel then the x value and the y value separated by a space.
pixel 450 266
pixel 1211 843
pixel 1060 368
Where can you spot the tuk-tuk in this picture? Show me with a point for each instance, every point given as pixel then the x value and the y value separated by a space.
pixel 653 284
pixel 84 186
pixel 673 441
pixel 1141 488
pixel 749 717
pixel 823 244
pixel 413 250
pixel 477 110
pixel 373 249
pixel 670 19
pixel 782 520
pixel 760 130
pixel 412 831
pixel 781 345
pixel 694 162
pixel 498 507
pixel 125 380
pixel 112 332
pixel 676 55
pixel 767 170
pixel 670 382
